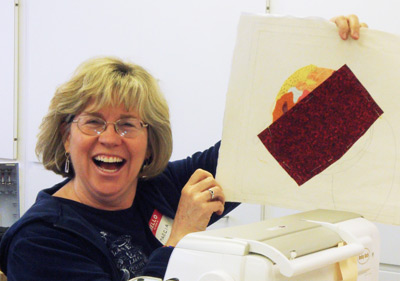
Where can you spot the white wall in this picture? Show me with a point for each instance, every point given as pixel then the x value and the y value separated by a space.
pixel 382 14
pixel 8 110
pixel 187 45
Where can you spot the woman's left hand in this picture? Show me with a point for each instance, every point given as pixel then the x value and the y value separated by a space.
pixel 196 206
pixel 348 25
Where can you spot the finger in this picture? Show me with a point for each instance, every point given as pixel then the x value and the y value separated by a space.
pixel 214 194
pixel 363 24
pixel 216 207
pixel 354 25
pixel 342 25
pixel 203 181
pixel 198 176
pixel 204 185
pixel 198 182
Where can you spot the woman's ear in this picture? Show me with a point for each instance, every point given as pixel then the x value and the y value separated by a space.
pixel 65 132
pixel 149 154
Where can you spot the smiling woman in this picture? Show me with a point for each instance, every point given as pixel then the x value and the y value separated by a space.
pixel 106 164
pixel 108 132
pixel 104 161
pixel 104 82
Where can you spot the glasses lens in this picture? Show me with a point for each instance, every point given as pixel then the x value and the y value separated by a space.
pixel 91 125
pixel 129 127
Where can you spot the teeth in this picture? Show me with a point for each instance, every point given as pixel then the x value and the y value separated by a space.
pixel 109 170
pixel 108 159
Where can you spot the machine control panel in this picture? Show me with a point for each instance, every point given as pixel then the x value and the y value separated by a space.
pixel 9 193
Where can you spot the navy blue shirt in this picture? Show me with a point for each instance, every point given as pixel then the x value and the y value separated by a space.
pixel 58 239
pixel 123 233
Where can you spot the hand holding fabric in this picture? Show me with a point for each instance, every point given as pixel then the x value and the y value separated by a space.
pixel 196 205
pixel 348 25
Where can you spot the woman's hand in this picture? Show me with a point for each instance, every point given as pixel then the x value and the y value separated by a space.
pixel 196 205
pixel 349 25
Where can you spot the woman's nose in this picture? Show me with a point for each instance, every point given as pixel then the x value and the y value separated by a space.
pixel 110 135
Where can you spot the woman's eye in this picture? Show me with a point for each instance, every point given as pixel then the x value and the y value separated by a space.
pixel 128 124
pixel 93 122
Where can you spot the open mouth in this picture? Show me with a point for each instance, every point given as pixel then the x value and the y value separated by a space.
pixel 109 164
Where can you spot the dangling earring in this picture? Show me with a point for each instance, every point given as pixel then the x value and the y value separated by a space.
pixel 146 163
pixel 66 167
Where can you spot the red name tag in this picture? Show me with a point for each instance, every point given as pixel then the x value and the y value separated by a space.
pixel 155 221
pixel 160 226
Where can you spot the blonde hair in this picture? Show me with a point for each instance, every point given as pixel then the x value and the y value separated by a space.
pixel 106 81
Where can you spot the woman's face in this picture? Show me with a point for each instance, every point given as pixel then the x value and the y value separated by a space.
pixel 107 165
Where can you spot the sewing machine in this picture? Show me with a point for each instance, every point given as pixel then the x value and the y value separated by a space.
pixel 320 245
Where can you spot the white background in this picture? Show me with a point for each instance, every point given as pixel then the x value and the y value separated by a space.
pixel 7 109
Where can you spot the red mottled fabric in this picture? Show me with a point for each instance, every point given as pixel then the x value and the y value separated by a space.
pixel 322 127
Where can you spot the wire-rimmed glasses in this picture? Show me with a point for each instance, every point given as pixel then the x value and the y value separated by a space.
pixel 94 126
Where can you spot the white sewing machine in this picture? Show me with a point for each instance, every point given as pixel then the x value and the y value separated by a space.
pixel 301 247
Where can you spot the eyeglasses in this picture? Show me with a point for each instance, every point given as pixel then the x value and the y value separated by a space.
pixel 94 126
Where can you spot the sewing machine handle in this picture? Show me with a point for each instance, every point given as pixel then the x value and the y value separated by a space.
pixel 306 263
pixel 309 262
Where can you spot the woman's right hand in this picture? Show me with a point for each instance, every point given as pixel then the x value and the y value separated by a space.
pixel 349 25
pixel 196 205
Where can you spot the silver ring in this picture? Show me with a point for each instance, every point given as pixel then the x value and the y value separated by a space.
pixel 211 193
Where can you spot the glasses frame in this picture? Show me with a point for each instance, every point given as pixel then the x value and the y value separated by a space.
pixel 105 124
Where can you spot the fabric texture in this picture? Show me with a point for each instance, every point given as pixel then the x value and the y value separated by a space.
pixel 322 127
pixel 55 240
pixel 366 179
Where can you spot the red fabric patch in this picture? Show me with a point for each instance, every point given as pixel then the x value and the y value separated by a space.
pixel 322 127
